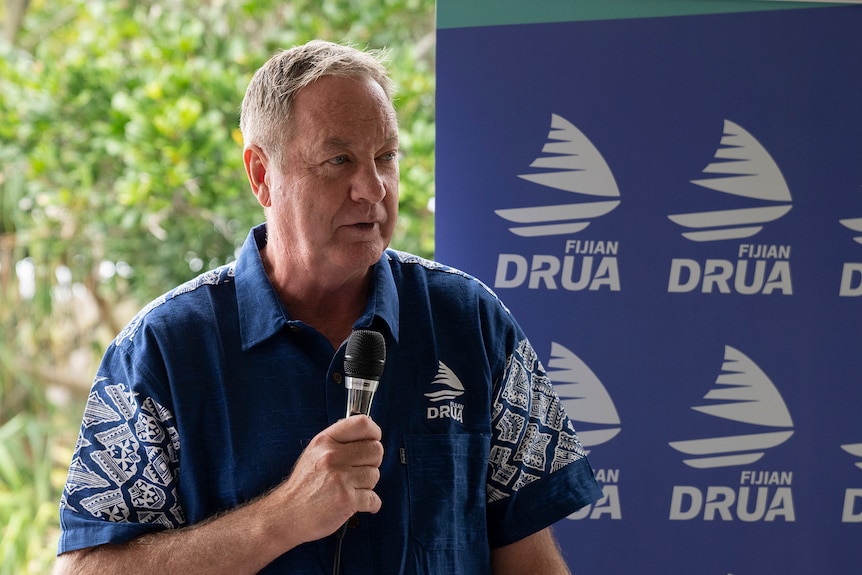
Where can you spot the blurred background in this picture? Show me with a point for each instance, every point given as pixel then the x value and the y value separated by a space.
pixel 121 177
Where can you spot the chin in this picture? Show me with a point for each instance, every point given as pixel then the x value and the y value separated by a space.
pixel 363 255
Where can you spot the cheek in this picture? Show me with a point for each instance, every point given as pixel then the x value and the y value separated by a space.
pixel 391 202
pixel 391 206
pixel 391 185
pixel 297 204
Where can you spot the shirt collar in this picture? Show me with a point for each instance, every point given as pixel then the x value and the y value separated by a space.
pixel 262 315
pixel 384 303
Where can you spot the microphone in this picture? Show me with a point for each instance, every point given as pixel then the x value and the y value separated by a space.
pixel 363 365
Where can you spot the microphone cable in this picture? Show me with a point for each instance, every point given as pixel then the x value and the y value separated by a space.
pixel 339 539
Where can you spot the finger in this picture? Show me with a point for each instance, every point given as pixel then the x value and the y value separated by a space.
pixel 354 428
pixel 365 453
pixel 364 477
pixel 367 501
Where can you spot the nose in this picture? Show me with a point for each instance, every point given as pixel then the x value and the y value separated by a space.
pixel 368 184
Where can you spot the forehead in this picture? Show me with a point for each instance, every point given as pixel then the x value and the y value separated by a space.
pixel 337 108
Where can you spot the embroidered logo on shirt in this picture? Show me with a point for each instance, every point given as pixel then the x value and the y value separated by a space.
pixel 447 388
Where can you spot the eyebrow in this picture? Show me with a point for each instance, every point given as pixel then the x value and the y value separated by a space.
pixel 336 142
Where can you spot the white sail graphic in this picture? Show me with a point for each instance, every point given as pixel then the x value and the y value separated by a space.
pixel 573 164
pixel 747 394
pixel 449 386
pixel 854 224
pixel 742 393
pixel 854 449
pixel 584 397
pixel 743 168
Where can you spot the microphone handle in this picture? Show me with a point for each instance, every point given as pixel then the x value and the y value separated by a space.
pixel 360 394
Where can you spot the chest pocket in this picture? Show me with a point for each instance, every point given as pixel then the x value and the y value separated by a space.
pixel 446 477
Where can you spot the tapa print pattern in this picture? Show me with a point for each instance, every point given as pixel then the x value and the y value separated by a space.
pixel 528 418
pixel 131 464
pixel 218 276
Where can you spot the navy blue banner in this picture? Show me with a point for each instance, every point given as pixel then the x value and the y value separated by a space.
pixel 672 207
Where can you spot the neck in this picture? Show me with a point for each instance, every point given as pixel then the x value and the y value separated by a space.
pixel 330 307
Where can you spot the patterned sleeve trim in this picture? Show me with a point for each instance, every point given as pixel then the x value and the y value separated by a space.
pixel 532 435
pixel 126 462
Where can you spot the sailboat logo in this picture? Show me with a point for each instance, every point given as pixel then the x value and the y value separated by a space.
pixel 854 449
pixel 450 387
pixel 583 396
pixel 742 393
pixel 854 224
pixel 573 164
pixel 744 168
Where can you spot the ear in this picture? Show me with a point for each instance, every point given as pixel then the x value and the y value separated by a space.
pixel 256 164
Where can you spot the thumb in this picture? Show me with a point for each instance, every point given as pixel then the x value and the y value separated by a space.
pixel 354 428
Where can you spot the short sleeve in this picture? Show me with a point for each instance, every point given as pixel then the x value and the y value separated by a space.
pixel 538 469
pixel 123 478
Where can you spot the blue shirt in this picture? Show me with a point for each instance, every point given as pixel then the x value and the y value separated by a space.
pixel 209 395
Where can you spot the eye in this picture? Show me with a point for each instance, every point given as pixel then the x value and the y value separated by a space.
pixel 338 160
pixel 390 156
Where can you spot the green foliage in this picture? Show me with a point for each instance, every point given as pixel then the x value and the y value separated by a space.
pixel 129 122
pixel 29 488
pixel 121 176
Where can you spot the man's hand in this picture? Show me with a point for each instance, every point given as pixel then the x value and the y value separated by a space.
pixel 334 477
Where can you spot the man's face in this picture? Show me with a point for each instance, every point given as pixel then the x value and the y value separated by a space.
pixel 335 194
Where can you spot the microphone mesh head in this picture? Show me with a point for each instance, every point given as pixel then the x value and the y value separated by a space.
pixel 365 355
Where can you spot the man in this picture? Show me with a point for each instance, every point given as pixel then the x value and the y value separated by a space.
pixel 214 438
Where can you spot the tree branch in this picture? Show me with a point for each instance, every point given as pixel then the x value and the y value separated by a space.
pixel 15 10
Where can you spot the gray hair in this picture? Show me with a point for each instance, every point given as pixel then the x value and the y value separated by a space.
pixel 266 107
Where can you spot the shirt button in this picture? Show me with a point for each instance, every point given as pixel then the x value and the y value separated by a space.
pixel 336 377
